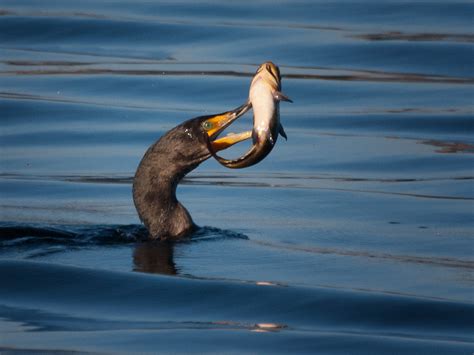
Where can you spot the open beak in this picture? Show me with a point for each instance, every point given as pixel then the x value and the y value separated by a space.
pixel 216 124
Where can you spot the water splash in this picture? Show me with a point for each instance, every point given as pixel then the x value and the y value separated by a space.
pixel 33 235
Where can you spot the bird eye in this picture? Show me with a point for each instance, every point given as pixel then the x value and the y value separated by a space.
pixel 207 125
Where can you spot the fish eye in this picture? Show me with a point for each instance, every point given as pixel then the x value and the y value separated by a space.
pixel 207 125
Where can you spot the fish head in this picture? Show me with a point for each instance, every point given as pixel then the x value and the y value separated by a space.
pixel 269 73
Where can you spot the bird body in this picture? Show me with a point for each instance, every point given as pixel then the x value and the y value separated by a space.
pixel 156 180
pixel 164 165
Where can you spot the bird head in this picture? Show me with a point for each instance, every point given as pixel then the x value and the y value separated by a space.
pixel 214 125
pixel 193 141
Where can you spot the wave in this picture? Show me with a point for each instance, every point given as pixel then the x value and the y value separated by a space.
pixel 274 181
pixel 107 304
pixel 341 76
pixel 416 37
pixel 157 256
pixel 13 235
pixel 436 261
pixel 381 36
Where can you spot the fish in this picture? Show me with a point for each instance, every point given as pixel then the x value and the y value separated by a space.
pixel 264 98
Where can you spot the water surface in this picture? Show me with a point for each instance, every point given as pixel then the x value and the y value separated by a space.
pixel 354 236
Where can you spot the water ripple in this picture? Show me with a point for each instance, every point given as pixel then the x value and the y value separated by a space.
pixel 341 76
pixel 446 262
pixel 274 181
pixel 416 37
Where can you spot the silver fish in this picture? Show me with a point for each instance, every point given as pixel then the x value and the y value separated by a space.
pixel 264 98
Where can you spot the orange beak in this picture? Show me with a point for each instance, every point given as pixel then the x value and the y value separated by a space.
pixel 216 124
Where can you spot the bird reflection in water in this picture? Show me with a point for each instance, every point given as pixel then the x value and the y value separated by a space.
pixel 155 257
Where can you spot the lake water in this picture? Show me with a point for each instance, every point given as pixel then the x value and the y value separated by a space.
pixel 355 236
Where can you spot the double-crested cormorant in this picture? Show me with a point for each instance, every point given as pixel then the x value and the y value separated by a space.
pixel 167 161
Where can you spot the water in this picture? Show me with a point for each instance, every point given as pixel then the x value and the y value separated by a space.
pixel 354 236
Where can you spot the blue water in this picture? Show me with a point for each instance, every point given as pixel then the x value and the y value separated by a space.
pixel 355 236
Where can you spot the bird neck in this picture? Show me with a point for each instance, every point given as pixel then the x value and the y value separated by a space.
pixel 154 194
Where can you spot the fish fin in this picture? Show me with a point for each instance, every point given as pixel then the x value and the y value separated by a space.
pixel 282 132
pixel 281 97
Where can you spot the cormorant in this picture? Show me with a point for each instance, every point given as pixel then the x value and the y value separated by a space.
pixel 168 160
